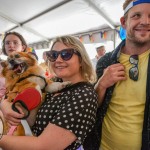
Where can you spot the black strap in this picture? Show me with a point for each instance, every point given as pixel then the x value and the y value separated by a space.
pixel 30 75
pixel 23 105
pixel 146 123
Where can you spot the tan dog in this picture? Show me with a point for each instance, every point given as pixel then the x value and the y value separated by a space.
pixel 21 71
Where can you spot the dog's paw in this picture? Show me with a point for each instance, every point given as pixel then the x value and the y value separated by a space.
pixel 64 84
pixel 57 86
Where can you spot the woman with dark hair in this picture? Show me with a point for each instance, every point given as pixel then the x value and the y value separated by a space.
pixel 13 41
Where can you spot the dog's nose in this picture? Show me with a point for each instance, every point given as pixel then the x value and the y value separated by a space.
pixel 11 61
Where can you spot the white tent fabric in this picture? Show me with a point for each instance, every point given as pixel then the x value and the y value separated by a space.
pixel 41 20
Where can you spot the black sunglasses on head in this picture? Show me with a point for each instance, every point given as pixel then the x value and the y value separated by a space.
pixel 66 54
pixel 134 72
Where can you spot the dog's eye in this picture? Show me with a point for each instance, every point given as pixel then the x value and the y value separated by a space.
pixel 17 56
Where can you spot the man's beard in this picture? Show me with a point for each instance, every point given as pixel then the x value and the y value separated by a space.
pixel 136 40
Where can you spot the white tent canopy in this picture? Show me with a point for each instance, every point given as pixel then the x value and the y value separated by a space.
pixel 41 20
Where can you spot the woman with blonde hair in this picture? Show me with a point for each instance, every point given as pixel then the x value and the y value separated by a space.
pixel 65 118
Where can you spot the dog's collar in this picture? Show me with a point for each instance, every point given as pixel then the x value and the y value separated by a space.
pixel 30 75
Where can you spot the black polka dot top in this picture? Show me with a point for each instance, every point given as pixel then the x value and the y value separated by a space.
pixel 73 109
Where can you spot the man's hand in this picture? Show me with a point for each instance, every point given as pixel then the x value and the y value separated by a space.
pixel 112 74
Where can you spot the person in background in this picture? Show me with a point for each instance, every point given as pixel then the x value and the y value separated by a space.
pixel 65 118
pixel 11 42
pixel 100 52
pixel 123 118
pixel 14 42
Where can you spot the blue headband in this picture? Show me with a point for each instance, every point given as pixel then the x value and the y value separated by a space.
pixel 134 3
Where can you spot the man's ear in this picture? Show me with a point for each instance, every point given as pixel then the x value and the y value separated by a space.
pixel 123 22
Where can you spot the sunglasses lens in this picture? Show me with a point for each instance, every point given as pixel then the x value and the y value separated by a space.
pixel 66 54
pixel 52 55
pixel 134 59
pixel 133 72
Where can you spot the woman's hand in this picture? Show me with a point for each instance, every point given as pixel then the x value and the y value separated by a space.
pixel 12 117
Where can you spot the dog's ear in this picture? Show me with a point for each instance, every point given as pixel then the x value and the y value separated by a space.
pixel 4 68
pixel 3 63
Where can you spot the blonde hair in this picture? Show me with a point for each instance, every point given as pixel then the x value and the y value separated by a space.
pixel 87 70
